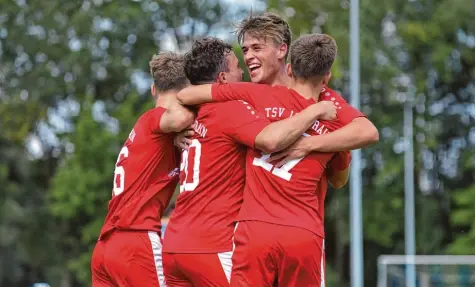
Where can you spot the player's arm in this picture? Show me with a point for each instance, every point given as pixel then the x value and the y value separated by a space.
pixel 281 134
pixel 176 119
pixel 339 169
pixel 245 125
pixel 200 94
pixel 195 95
pixel 357 134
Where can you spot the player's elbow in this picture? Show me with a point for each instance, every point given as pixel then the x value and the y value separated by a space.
pixel 271 147
pixel 267 144
pixel 368 132
pixel 338 179
pixel 338 183
pixel 372 135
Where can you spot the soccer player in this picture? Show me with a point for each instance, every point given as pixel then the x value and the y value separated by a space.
pixel 280 235
pixel 198 243
pixel 265 40
pixel 128 252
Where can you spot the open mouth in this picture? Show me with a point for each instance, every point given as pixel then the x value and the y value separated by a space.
pixel 254 67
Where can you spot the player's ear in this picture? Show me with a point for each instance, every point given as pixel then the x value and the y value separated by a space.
pixel 222 78
pixel 327 78
pixel 283 49
pixel 289 70
pixel 153 90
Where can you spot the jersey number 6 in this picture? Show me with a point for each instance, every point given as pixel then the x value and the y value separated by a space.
pixel 119 173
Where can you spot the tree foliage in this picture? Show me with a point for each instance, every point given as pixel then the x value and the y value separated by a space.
pixel 74 79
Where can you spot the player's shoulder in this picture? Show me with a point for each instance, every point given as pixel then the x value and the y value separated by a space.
pixel 329 94
pixel 157 111
pixel 245 85
pixel 254 87
pixel 205 109
pixel 234 111
pixel 229 108
pixel 143 124
pixel 277 90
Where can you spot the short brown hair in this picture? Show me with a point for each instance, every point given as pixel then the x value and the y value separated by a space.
pixel 166 69
pixel 312 55
pixel 268 25
pixel 206 60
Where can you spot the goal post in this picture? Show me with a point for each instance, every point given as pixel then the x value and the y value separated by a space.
pixel 431 270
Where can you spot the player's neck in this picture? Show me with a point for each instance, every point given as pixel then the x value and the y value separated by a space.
pixel 307 89
pixel 167 100
pixel 281 78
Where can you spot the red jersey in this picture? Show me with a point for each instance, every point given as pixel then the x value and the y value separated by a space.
pixel 145 177
pixel 285 195
pixel 337 163
pixel 212 178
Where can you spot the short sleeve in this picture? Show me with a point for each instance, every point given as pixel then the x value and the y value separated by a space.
pixel 241 122
pixel 345 112
pixel 340 161
pixel 153 119
pixel 248 92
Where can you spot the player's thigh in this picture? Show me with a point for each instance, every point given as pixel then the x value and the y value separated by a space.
pixel 302 262
pixel 253 257
pixel 135 259
pixel 99 275
pixel 206 269
pixel 173 275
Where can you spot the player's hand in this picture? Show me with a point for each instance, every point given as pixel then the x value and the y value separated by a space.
pixel 182 139
pixel 329 110
pixel 297 150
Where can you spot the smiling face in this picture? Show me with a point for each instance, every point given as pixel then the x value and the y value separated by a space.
pixel 263 57
pixel 234 72
pixel 264 42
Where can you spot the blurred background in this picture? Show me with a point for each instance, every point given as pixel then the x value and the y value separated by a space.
pixel 74 79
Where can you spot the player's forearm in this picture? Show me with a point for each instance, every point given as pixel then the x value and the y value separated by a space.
pixel 359 133
pixel 339 179
pixel 279 135
pixel 195 95
pixel 176 119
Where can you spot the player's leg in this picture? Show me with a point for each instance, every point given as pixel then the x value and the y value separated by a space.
pixel 302 261
pixel 173 275
pixel 254 255
pixel 100 277
pixel 205 269
pixel 135 259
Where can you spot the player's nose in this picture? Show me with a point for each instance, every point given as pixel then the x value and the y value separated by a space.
pixel 249 57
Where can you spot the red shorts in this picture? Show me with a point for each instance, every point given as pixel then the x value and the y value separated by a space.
pixel 197 269
pixel 128 258
pixel 276 255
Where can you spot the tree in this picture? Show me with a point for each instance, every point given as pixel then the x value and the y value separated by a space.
pixel 56 57
pixel 81 187
pixel 73 80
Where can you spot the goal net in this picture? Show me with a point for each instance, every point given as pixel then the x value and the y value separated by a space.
pixel 430 270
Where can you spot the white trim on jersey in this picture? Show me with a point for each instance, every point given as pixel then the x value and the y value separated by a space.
pixel 323 271
pixel 157 252
pixel 226 264
pixel 233 238
pixel 226 258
